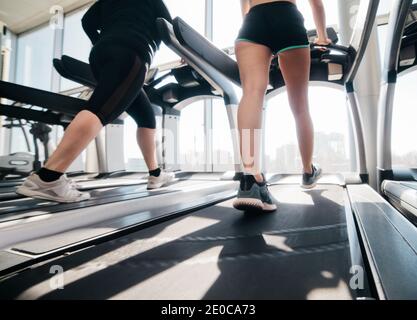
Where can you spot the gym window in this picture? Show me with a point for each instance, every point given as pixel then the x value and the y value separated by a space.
pixel 404 147
pixel 333 142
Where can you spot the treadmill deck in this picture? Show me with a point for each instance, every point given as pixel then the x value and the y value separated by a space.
pixel 300 252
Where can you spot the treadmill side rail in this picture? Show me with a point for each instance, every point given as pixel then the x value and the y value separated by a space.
pixel 390 241
pixel 41 98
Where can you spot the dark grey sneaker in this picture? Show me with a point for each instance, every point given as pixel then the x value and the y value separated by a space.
pixel 310 180
pixel 253 196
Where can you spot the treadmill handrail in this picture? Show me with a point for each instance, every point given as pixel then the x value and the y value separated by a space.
pixel 41 98
pixel 207 70
pixel 359 41
pixel 46 117
pixel 206 50
pixel 81 74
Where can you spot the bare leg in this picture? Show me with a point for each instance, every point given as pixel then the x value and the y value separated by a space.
pixel 254 61
pixel 295 67
pixel 146 142
pixel 82 130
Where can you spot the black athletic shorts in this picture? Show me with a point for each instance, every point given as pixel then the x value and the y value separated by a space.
pixel 120 73
pixel 278 25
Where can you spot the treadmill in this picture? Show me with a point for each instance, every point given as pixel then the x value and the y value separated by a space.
pixel 38 230
pixel 398 185
pixel 338 241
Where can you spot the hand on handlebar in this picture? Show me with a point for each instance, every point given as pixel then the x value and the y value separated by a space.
pixel 322 42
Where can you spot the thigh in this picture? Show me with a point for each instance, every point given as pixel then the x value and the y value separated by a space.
pixel 120 75
pixel 254 61
pixel 295 68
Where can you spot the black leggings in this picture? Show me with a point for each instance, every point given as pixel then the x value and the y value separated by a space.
pixel 120 74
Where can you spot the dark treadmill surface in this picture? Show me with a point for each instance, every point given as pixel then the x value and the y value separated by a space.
pixel 300 252
pixel 403 195
pixel 10 183
pixel 7 189
pixel 6 195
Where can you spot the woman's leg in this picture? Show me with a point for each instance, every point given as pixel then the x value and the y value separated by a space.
pixel 295 68
pixel 146 142
pixel 254 62
pixel 82 130
pixel 141 111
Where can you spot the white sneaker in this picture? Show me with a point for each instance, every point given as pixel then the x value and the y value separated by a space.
pixel 162 180
pixel 63 190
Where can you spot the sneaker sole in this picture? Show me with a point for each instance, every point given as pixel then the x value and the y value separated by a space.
pixel 42 196
pixel 247 204
pixel 312 186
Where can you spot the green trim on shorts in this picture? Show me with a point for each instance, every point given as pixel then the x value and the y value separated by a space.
pixel 247 40
pixel 294 47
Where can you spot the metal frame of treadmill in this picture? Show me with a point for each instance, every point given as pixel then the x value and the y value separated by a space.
pixel 396 25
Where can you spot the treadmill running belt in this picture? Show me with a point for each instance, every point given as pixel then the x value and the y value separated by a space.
pixel 299 252
pixel 28 207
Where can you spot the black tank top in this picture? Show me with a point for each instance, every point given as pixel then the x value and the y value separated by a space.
pixel 129 23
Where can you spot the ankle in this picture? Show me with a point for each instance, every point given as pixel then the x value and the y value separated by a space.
pixel 47 175
pixel 309 170
pixel 253 171
pixel 155 173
